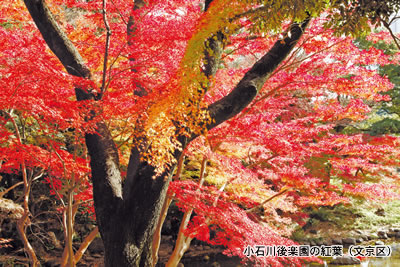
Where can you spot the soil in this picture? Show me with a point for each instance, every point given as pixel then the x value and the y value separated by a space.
pixel 198 255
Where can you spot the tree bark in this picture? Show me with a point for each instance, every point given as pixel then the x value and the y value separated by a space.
pixel 127 214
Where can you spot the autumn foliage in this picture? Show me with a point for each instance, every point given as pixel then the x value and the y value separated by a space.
pixel 299 143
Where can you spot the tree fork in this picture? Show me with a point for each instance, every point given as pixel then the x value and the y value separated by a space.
pixel 248 87
pixel 127 217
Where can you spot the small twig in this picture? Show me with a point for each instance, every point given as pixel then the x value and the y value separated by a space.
pixel 65 175
pixel 274 155
pixel 289 64
pixel 18 184
pixel 220 190
pixel 264 96
pixel 119 13
pixel 108 35
pixel 394 37
pixel 59 157
pixel 267 200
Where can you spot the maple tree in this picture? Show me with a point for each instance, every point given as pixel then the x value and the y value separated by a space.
pixel 132 82
pixel 287 150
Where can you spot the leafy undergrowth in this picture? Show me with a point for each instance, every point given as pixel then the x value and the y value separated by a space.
pixel 370 217
pixel 340 220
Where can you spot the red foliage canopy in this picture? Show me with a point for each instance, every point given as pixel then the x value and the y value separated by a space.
pixel 149 74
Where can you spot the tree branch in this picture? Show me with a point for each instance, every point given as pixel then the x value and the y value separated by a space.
pixel 394 37
pixel 246 90
pixel 85 243
pixel 212 54
pixel 106 176
pixel 56 39
pixel 267 200
pixel 107 45
pixel 207 4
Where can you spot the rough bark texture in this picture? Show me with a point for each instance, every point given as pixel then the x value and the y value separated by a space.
pixel 127 214
pixel 128 232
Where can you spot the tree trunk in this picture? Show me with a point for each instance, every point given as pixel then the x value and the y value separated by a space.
pixel 128 232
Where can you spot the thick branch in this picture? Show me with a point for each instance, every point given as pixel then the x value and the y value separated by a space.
pixel 85 243
pixel 207 4
pixel 212 54
pixel 104 162
pixel 246 90
pixel 56 39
